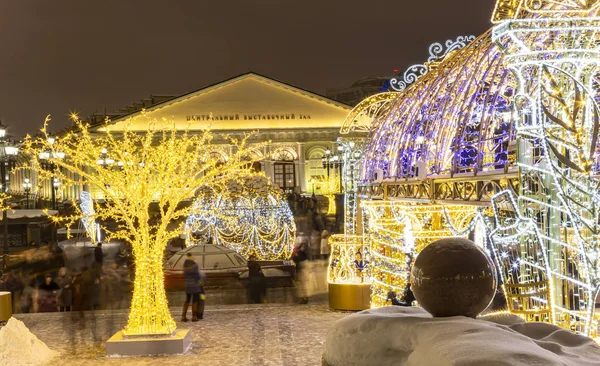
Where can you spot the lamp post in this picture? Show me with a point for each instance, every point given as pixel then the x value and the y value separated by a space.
pixel 334 161
pixel 55 186
pixel 106 161
pixel 45 160
pixel 8 152
pixel 27 189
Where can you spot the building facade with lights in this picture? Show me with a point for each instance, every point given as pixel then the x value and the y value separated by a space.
pixel 294 128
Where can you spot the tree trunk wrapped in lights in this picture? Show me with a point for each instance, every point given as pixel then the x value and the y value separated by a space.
pixel 161 166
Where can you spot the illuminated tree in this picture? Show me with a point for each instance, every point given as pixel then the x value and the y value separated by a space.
pixel 158 168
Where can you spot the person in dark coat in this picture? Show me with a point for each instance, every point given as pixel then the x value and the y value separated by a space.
pixel 65 296
pixel 48 292
pixel 84 283
pixel 257 284
pixel 392 297
pixel 99 254
pixel 97 278
pixel 14 285
pixel 193 287
pixel 202 297
pixel 409 297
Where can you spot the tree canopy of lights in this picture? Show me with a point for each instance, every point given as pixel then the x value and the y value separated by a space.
pixel 160 167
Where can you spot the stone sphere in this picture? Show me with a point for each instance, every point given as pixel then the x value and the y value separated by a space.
pixel 452 277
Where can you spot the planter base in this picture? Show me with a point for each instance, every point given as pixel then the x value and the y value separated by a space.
pixel 178 343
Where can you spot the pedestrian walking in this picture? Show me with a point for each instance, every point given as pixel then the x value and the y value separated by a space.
pixel 314 245
pixel 99 254
pixel 192 287
pixel 14 285
pixel 325 247
pixel 257 283
pixel 26 301
pixel 299 258
pixel 47 296
pixel 65 295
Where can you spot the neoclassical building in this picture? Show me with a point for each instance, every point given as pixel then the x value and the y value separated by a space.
pixel 297 125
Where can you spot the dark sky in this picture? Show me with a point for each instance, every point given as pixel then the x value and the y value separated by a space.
pixel 84 55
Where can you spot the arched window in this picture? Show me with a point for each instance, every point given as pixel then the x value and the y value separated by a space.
pixel 316 170
pixel 283 155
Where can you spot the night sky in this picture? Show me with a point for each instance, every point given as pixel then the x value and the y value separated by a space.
pixel 87 56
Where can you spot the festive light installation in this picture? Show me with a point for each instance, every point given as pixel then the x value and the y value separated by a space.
pixel 157 169
pixel 347 249
pixel 535 76
pixel 398 231
pixel 552 48
pixel 457 118
pixel 250 216
pixel 349 259
pixel 87 220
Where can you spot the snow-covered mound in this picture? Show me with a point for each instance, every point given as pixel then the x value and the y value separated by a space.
pixel 20 347
pixel 410 336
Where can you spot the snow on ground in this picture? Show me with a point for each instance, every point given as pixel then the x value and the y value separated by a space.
pixel 410 337
pixel 20 347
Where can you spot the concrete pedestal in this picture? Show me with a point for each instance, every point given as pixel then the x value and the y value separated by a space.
pixel 5 306
pixel 178 343
pixel 349 296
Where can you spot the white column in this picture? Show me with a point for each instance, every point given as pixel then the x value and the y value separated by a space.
pixel 268 163
pixel 301 167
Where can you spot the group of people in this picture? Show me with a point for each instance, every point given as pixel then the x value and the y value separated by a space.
pixel 40 287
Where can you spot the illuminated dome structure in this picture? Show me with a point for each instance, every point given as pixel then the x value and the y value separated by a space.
pixel 456 118
pixel 495 137
pixel 250 217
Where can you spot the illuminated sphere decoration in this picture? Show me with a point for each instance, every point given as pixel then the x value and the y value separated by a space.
pixel 453 277
pixel 250 216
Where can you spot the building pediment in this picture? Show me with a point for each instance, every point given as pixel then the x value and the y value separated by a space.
pixel 246 102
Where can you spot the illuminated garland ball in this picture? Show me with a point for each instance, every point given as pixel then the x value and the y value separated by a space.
pixel 250 216
pixel 453 277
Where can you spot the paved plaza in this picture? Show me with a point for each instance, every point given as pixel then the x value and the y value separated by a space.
pixel 229 335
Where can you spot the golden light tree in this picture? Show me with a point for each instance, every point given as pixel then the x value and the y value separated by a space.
pixel 137 173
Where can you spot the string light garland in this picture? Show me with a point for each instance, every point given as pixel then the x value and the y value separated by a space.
pixel 250 216
pixel 158 168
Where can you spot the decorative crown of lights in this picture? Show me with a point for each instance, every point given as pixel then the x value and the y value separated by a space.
pixel 247 215
pixel 437 52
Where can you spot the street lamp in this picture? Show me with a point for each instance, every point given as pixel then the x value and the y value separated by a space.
pixel 27 189
pixel 8 153
pixel 55 187
pixel 334 161
pixel 105 161
pixel 47 164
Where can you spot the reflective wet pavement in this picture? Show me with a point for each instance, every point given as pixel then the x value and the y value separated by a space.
pixel 229 335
